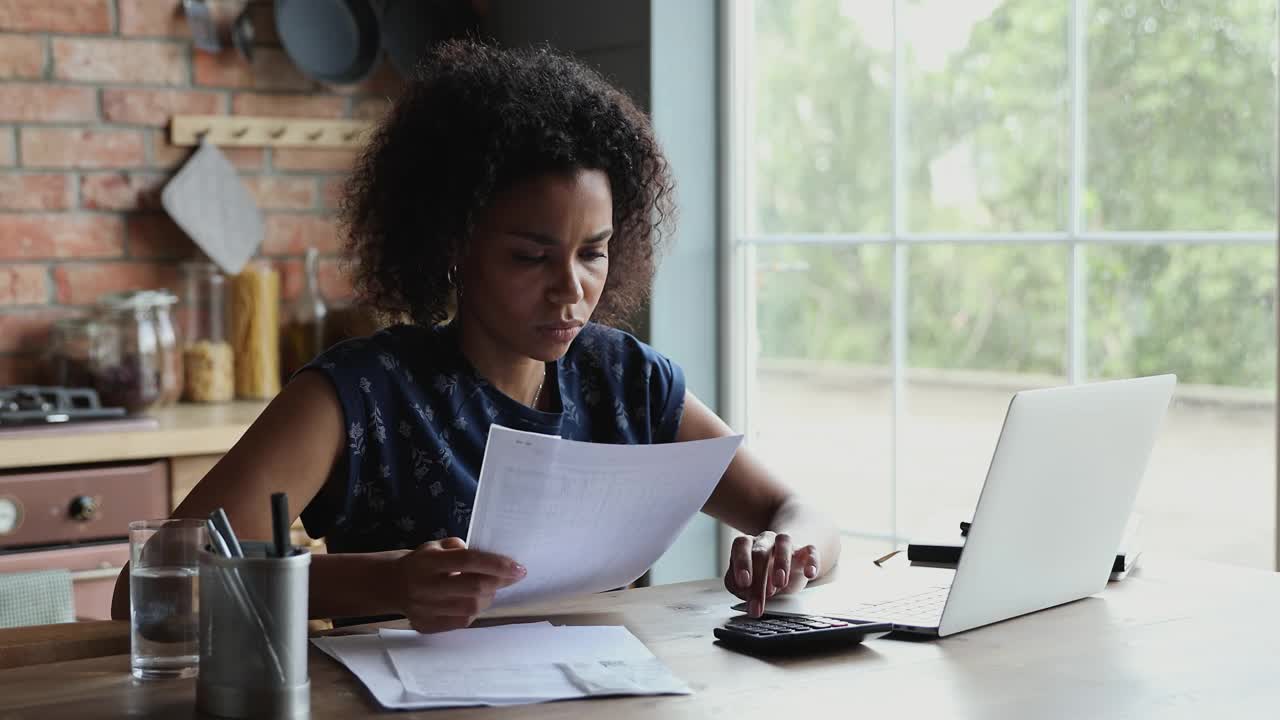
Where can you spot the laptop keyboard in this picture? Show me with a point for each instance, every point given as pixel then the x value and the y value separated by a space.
pixel 924 609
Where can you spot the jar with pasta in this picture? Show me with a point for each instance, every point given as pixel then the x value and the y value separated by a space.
pixel 206 353
pixel 255 330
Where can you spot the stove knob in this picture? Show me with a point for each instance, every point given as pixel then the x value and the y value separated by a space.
pixel 10 515
pixel 83 508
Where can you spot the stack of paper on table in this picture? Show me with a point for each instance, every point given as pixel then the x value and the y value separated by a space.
pixel 582 518
pixel 503 665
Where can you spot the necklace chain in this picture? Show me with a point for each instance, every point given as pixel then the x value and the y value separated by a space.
pixel 538 394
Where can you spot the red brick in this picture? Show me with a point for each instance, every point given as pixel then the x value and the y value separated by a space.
pixel 121 191
pixel 67 148
pixel 280 192
pixel 383 81
pixel 335 285
pixel 40 236
pixel 27 331
pixel 47 103
pixel 21 369
pixel 372 108
pixel 153 107
pixel 271 70
pixel 105 60
pixel 84 283
pixel 165 155
pixel 6 147
pixel 312 160
pixel 63 16
pixel 21 56
pixel 23 284
pixel 34 192
pixel 155 236
pixel 292 234
pixel 305 106
pixel 155 18
pixel 331 192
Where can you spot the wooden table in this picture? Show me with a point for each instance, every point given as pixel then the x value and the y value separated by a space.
pixel 1174 640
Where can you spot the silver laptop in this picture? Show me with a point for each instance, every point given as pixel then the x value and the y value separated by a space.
pixel 1059 491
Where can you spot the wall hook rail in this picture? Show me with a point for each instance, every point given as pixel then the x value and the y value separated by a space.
pixel 242 131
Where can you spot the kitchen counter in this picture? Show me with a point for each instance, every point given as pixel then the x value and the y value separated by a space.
pixel 183 430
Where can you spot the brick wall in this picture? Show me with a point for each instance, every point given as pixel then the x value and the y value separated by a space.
pixel 86 90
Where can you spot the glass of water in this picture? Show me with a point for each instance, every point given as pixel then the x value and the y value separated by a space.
pixel 164 593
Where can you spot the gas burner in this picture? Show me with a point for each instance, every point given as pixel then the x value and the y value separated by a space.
pixel 28 404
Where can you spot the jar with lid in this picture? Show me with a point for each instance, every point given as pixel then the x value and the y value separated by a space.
pixel 67 355
pixel 206 354
pixel 126 360
pixel 255 330
pixel 162 302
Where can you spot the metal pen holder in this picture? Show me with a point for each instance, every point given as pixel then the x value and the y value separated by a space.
pixel 253 634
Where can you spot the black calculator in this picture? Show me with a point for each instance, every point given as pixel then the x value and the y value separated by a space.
pixel 793 633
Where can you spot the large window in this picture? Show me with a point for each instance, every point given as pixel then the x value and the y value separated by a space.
pixel 938 202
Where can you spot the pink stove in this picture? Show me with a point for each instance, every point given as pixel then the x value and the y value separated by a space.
pixel 74 517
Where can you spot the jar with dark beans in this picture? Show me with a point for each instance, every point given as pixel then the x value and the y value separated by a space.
pixel 131 357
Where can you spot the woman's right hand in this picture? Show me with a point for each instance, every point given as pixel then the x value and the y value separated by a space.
pixel 443 586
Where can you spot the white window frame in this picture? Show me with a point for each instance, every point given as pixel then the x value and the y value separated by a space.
pixel 738 250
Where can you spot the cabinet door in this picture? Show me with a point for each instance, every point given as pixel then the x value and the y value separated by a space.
pixel 185 472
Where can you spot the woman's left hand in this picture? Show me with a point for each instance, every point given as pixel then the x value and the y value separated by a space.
pixel 767 564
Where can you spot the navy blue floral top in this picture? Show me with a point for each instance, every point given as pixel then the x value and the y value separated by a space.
pixel 417 417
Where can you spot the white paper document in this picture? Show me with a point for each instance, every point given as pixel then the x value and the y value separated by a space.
pixel 587 517
pixel 503 665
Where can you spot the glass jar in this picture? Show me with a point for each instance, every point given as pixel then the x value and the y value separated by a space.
pixel 255 330
pixel 67 356
pixel 206 355
pixel 162 302
pixel 125 357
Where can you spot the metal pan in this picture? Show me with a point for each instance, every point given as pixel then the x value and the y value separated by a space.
pixel 333 41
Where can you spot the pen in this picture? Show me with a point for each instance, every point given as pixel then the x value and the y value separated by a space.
pixel 219 519
pixel 215 539
pixel 280 523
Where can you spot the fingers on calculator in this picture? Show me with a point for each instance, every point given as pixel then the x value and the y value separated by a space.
pixel 779 633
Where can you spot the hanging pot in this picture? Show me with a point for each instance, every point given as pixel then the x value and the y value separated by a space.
pixel 333 41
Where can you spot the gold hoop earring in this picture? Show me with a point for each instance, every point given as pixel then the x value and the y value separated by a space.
pixel 451 276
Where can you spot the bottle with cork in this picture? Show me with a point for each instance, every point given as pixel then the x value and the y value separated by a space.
pixel 303 337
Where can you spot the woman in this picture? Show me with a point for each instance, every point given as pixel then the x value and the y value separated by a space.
pixel 508 199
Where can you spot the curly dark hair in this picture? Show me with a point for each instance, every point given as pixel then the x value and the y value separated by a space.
pixel 474 120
